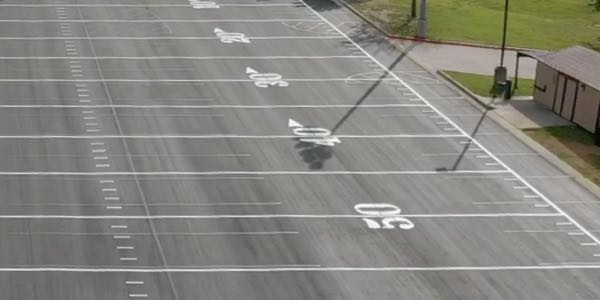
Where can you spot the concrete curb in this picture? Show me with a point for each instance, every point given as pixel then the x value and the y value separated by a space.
pixel 524 138
pixel 465 90
pixel 424 40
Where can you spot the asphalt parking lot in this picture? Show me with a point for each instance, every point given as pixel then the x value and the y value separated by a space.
pixel 243 149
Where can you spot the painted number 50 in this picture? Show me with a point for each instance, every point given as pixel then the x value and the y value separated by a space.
pixel 383 216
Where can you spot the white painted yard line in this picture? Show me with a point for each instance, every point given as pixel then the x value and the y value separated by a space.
pixel 476 142
pixel 151 106
pixel 179 57
pixel 128 259
pixel 146 5
pixel 269 216
pixel 267 269
pixel 563 223
pixel 159 21
pixel 207 173
pixel 226 136
pixel 171 38
pixel 161 233
pixel 178 81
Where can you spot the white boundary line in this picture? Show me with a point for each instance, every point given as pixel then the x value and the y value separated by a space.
pixel 251 269
pixel 477 143
pixel 267 216
pixel 210 173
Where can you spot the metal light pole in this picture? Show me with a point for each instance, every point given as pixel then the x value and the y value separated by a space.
pixel 504 33
pixel 500 76
pixel 422 23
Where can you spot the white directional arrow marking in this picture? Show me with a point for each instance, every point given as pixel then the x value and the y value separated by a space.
pixel 293 124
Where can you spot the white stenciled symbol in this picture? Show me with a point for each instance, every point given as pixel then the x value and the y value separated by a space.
pixel 231 37
pixel 203 4
pixel 313 135
pixel 383 216
pixel 265 80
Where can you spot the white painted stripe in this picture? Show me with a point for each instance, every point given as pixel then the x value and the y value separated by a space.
pixel 166 81
pixel 121 237
pixel 228 136
pixel 109 190
pixel 134 38
pixel 114 207
pixel 138 295
pixel 588 244
pixel 112 198
pixel 43 173
pixel 266 269
pixel 125 248
pixel 100 157
pixel 210 106
pixel 134 282
pixel 62 6
pixel 563 223
pixel 284 57
pixel 269 216
pixel 128 258
pixel 102 166
pixel 99 150
pixel 97 143
pixel 158 21
pixel 119 226
pixel 107 181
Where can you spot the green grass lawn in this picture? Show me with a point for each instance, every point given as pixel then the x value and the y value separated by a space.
pixel 543 24
pixel 573 145
pixel 482 85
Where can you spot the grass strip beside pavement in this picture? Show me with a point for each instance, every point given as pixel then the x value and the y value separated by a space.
pixel 573 145
pixel 482 85
pixel 547 24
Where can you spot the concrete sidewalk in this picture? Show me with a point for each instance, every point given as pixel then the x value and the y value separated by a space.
pixel 465 58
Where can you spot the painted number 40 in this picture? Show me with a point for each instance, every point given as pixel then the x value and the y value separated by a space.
pixel 313 135
pixel 383 216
